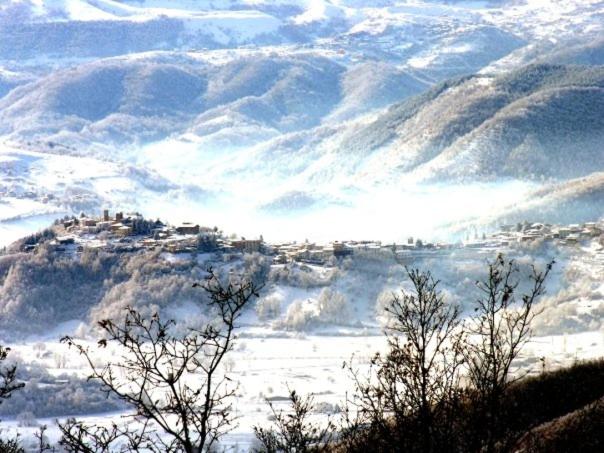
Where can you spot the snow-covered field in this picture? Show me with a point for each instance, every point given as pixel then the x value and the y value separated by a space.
pixel 266 365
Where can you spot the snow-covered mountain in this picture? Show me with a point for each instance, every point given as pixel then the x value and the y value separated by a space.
pixel 537 121
pixel 285 111
pixel 137 100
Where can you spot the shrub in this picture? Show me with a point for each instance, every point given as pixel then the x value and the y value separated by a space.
pixel 300 315
pixel 269 307
pixel 333 307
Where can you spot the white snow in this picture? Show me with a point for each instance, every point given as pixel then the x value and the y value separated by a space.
pixel 319 10
pixel 357 196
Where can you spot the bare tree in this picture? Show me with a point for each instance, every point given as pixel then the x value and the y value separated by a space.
pixel 294 432
pixel 499 329
pixel 8 377
pixel 408 395
pixel 174 384
pixel 8 384
pixel 11 445
pixel 42 444
pixel 80 438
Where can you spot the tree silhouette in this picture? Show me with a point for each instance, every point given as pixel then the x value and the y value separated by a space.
pixel 174 384
pixel 499 329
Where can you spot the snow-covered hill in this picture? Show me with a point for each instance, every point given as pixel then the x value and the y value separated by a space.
pixel 148 98
pixel 537 121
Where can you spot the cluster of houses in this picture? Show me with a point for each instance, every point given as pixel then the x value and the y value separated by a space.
pixel 319 254
pixel 118 226
pixel 121 228
pixel 132 232
pixel 561 235
pixel 507 236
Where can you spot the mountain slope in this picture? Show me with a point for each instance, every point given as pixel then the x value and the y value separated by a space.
pixel 576 200
pixel 551 125
pixel 130 100
pixel 241 102
pixel 541 120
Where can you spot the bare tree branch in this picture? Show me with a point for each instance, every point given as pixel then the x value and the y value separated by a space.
pixel 174 384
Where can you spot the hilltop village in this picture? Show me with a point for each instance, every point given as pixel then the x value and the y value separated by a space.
pixel 120 232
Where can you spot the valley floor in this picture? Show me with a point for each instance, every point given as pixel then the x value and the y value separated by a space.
pixel 267 366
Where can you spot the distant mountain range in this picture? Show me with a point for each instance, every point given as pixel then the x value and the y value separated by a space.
pixel 305 104
pixel 137 100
